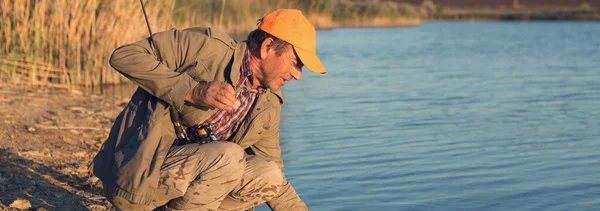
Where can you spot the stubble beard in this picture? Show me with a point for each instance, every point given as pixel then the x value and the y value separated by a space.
pixel 264 80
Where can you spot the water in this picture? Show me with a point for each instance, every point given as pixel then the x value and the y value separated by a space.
pixel 449 116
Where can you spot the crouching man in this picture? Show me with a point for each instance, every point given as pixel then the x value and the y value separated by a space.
pixel 227 88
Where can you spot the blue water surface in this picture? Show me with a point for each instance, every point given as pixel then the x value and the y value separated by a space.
pixel 449 116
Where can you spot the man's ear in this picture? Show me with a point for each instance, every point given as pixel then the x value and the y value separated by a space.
pixel 265 47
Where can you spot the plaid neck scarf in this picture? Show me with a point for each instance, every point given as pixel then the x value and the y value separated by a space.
pixel 224 123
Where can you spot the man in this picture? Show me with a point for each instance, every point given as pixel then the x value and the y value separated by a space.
pixel 216 83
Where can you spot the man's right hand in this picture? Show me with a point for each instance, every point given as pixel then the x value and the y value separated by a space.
pixel 215 94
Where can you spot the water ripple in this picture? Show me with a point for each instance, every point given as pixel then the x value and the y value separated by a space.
pixel 449 116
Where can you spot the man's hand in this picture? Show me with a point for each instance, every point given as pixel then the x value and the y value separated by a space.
pixel 214 94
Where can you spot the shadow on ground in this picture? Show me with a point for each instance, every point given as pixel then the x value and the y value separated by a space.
pixel 43 186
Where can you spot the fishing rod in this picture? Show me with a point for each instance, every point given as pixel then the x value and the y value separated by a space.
pixel 181 136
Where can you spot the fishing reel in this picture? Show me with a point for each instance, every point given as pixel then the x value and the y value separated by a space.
pixel 201 134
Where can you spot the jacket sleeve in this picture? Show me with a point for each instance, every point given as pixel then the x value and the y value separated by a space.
pixel 165 80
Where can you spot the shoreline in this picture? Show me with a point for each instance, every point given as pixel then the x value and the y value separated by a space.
pixel 519 14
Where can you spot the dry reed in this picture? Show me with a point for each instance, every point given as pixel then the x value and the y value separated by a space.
pixel 41 37
pixel 67 44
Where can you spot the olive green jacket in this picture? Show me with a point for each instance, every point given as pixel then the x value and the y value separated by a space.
pixel 128 164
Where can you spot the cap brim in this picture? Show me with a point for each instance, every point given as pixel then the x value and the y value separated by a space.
pixel 310 61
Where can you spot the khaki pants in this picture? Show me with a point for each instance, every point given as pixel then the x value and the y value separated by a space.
pixel 216 176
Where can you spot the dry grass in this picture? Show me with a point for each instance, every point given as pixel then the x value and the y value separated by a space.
pixel 67 44
pixel 63 43
pixel 240 16
pixel 233 16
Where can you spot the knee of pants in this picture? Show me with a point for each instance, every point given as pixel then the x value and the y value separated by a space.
pixel 229 154
pixel 265 171
pixel 228 149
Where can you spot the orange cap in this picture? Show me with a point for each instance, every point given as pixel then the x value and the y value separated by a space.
pixel 291 26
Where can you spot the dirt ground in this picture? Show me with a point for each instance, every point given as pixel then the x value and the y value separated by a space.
pixel 47 140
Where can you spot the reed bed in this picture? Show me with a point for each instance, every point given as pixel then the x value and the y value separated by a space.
pixel 67 44
pixel 63 43
pixel 240 16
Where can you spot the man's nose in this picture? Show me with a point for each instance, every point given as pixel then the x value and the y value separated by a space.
pixel 297 73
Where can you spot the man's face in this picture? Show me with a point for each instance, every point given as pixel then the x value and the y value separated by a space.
pixel 276 70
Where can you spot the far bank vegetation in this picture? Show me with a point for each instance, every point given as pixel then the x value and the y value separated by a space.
pixel 67 44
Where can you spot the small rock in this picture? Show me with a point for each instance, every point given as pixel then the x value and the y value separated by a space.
pixel 82 170
pixel 22 204
pixel 79 154
pixel 31 129
pixel 91 181
pixel 77 109
pixel 96 207
pixel 75 132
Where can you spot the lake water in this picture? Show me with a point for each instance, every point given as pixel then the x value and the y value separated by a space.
pixel 449 116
